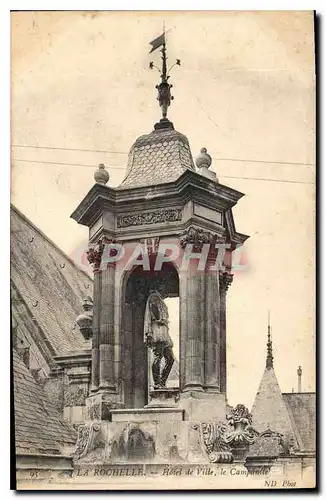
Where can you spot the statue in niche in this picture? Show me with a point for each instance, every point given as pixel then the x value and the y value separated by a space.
pixel 157 338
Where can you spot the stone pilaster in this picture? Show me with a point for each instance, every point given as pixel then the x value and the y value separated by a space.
pixel 212 330
pixel 95 380
pixel 140 362
pixel 106 338
pixel 192 311
pixel 225 280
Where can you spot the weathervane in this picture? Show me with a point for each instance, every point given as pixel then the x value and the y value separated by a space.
pixel 164 88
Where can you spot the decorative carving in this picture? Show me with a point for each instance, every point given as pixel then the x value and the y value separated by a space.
pixel 225 279
pixel 270 444
pixel 132 444
pixel 94 253
pixel 213 442
pixel 242 434
pixel 86 439
pixel 94 412
pixel 289 445
pixel 154 217
pixel 151 245
pixel 197 237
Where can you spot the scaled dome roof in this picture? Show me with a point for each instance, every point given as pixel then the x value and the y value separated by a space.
pixel 156 158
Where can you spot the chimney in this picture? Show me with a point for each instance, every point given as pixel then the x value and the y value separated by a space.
pixel 299 372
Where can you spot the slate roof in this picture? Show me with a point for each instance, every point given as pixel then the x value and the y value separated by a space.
pixel 156 158
pixel 52 293
pixel 269 410
pixel 302 406
pixel 290 414
pixel 39 428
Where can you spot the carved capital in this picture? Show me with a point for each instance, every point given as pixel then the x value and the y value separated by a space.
pixel 95 252
pixel 197 237
pixel 225 279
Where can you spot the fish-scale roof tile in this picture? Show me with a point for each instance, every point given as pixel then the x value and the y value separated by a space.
pixel 156 158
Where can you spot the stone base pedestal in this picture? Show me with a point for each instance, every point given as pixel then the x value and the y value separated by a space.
pixel 163 398
pixel 99 406
pixel 203 406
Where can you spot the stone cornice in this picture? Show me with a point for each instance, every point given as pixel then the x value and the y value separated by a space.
pixel 190 183
pixel 80 358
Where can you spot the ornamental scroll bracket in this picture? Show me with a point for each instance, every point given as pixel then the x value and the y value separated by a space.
pixel 213 442
pixel 86 440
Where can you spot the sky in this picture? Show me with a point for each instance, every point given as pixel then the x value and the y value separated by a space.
pixel 245 90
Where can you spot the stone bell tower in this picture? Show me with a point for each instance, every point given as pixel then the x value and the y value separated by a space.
pixel 168 225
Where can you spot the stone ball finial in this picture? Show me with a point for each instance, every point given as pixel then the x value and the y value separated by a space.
pixel 101 175
pixel 84 321
pixel 87 303
pixel 203 159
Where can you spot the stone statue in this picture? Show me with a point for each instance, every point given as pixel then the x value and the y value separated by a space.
pixel 157 338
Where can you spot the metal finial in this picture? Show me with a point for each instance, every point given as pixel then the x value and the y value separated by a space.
pixel 164 88
pixel 269 358
pixel 299 372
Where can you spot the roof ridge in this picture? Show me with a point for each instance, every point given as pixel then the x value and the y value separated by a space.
pixel 296 393
pixel 39 231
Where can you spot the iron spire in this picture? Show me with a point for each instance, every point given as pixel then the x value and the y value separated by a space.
pixel 269 357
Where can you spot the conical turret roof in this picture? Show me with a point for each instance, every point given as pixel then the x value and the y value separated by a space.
pixel 269 410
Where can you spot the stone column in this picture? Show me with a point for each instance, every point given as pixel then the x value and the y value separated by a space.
pixel 192 311
pixel 95 378
pixel 139 355
pixel 212 329
pixel 106 341
pixel 225 279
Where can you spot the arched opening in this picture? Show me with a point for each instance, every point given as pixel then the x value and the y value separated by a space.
pixel 135 356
